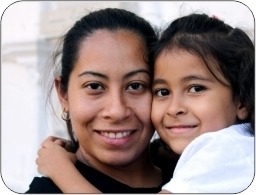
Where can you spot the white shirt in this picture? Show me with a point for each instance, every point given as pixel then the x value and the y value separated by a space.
pixel 215 162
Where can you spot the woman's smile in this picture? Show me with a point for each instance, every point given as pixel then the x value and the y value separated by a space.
pixel 120 139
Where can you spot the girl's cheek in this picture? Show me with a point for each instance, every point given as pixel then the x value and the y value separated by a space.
pixel 154 115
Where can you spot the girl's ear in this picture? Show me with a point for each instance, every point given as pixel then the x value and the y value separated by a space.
pixel 241 111
pixel 62 95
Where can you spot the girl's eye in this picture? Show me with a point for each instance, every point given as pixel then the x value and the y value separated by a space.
pixel 162 92
pixel 196 89
pixel 135 86
pixel 94 86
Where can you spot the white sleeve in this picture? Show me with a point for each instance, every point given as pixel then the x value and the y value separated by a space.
pixel 213 164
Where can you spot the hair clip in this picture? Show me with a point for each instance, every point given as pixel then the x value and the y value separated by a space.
pixel 215 17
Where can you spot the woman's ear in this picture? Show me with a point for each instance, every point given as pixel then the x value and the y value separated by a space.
pixel 62 95
pixel 241 111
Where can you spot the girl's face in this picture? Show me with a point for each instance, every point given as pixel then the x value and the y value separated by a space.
pixel 109 98
pixel 188 100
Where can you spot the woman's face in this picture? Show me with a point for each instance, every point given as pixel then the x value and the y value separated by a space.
pixel 109 98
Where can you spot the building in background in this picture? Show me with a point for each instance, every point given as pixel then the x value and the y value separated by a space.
pixel 30 31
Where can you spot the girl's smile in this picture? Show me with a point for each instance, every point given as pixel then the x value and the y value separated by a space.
pixel 188 100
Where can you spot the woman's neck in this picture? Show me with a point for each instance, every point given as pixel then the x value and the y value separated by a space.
pixel 139 173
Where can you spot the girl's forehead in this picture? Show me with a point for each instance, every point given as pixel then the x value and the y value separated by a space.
pixel 173 57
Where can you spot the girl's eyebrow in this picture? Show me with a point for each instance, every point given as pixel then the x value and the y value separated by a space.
pixel 158 81
pixel 185 79
pixel 195 77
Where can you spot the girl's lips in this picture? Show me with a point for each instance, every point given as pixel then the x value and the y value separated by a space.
pixel 181 128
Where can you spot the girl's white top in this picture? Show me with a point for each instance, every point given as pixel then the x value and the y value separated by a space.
pixel 216 162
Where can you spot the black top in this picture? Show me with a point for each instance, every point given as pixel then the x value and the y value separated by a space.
pixel 103 182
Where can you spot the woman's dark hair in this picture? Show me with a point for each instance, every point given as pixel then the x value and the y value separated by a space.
pixel 214 41
pixel 110 19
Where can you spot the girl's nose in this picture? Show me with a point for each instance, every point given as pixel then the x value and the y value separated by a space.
pixel 176 107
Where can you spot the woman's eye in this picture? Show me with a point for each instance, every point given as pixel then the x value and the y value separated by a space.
pixel 196 89
pixel 135 86
pixel 94 86
pixel 162 92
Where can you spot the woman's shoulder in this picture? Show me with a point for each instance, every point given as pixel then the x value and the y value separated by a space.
pixel 42 185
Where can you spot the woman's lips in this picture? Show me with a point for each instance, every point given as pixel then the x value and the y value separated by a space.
pixel 117 138
pixel 113 135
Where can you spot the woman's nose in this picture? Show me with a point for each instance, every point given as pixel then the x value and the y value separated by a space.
pixel 116 108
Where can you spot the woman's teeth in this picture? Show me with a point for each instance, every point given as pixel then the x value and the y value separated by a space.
pixel 116 135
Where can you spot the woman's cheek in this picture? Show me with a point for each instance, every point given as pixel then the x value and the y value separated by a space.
pixel 82 110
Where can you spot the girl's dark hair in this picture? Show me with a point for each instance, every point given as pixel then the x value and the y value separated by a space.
pixel 111 19
pixel 213 40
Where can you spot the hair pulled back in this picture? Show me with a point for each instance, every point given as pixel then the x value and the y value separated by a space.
pixel 111 19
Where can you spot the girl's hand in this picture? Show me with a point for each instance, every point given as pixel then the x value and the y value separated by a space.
pixel 53 157
pixel 60 141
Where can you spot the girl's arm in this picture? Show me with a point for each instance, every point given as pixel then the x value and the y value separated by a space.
pixel 58 164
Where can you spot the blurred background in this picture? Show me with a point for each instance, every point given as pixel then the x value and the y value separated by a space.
pixel 29 32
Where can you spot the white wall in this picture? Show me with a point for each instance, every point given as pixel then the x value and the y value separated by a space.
pixel 23 123
pixel 18 126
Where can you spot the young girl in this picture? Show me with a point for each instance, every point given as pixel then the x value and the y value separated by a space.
pixel 203 108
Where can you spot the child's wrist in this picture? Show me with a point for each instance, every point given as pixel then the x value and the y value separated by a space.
pixel 60 169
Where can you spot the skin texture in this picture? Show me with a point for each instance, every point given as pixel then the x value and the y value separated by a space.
pixel 109 95
pixel 188 100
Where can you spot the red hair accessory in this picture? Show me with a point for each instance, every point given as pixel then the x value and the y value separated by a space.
pixel 215 17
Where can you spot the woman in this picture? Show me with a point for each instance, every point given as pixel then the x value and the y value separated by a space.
pixel 104 88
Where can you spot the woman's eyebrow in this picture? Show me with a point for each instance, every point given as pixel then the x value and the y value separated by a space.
pixel 132 73
pixel 93 74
